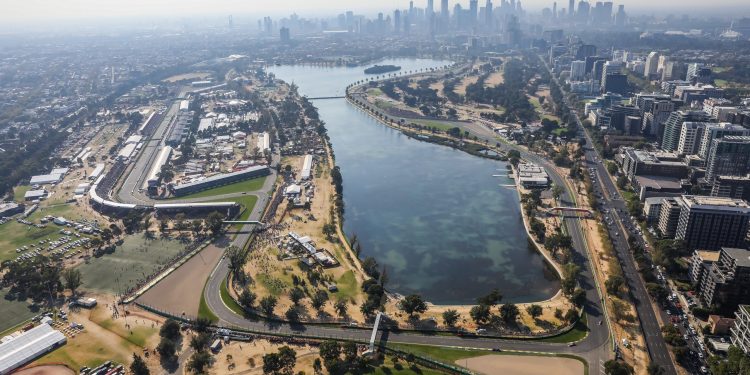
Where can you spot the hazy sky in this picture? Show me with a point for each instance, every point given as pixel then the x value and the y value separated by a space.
pixel 30 10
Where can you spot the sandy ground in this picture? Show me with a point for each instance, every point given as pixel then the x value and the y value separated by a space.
pixel 522 365
pixel 106 337
pixel 46 370
pixel 181 290
pixel 264 267
pixel 495 79
pixel 187 76
pixel 461 89
pixel 247 357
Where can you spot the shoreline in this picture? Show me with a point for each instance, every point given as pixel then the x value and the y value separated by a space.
pixel 547 258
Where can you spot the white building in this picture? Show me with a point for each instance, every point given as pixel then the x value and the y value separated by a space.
pixel 577 70
pixel 741 330
pixel 28 346
pixel 690 137
pixel 306 167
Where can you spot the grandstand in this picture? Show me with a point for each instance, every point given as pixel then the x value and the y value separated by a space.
pixel 219 180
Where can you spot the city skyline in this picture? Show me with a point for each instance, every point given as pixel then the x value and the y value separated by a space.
pixel 29 11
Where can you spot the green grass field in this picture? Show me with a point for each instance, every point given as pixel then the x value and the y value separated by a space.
pixel 13 313
pixel 347 286
pixel 19 192
pixel 239 187
pixel 131 261
pixel 440 125
pixel 579 332
pixel 229 301
pixel 204 311
pixel 14 235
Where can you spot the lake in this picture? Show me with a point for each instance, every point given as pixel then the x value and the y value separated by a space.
pixel 435 217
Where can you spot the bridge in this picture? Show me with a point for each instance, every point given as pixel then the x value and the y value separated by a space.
pixel 242 222
pixel 326 97
pixel 576 210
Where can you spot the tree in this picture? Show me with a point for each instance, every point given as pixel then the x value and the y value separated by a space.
pixel 166 348
pixel 199 361
pixel 491 299
pixel 138 367
pixel 237 258
pixel 292 314
pixel 614 284
pixel 613 367
pixel 570 277
pixel 296 294
pixel 534 311
pixel 508 313
pixel 72 279
pixel 319 299
pixel 411 304
pixel 329 230
pixel 170 330
pixel 655 369
pixel 370 266
pixel 281 363
pixel 557 191
pixel 571 315
pixel 341 308
pixel 267 304
pixel 480 314
pixel 247 298
pixel 450 317
pixel 215 221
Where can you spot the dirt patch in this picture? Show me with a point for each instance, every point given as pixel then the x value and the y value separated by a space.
pixel 181 290
pixel 470 80
pixel 495 79
pixel 522 365
pixel 247 357
pixel 47 370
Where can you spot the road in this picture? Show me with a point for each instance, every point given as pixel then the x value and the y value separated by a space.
pixel 595 348
pixel 612 203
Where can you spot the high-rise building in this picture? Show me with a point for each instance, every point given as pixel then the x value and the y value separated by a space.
pixel 620 17
pixel 583 11
pixel 577 70
pixel 554 9
pixel 690 137
pixel 652 64
pixel 397 21
pixel 729 156
pixel 716 131
pixel 669 217
pixel 489 17
pixel 737 187
pixel 430 9
pixel 584 51
pixel 284 35
pixel 673 127
pixel 473 11
pixel 571 8
pixel 616 83
pixel 711 223
pixel 725 284
pixel 444 10
pixel 741 329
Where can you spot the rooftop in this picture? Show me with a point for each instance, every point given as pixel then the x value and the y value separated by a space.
pixel 708 255
pixel 699 201
pixel 741 256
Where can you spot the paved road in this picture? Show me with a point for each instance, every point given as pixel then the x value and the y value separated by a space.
pixel 612 202
pixel 595 347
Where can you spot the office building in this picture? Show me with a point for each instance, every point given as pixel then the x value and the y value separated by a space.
pixel 577 70
pixel 647 163
pixel 616 83
pixel 673 127
pixel 584 51
pixel 652 65
pixel 571 8
pixel 620 17
pixel 690 137
pixel 284 35
pixel 729 156
pixel 726 283
pixel 711 222
pixel 692 71
pixel 583 11
pixel 716 131
pixel 652 209
pixel 736 187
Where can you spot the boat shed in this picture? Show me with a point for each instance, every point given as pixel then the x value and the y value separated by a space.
pixel 28 346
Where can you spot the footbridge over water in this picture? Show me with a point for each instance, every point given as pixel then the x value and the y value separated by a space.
pixel 326 97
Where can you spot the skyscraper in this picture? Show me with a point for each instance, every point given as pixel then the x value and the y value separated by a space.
pixel 397 21
pixel 583 11
pixel 652 64
pixel 571 8
pixel 430 9
pixel 620 17
pixel 444 11
pixel 729 156
pixel 673 127
pixel 489 17
pixel 473 10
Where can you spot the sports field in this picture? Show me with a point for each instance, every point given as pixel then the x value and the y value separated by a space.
pixel 239 187
pixel 136 258
pixel 13 313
